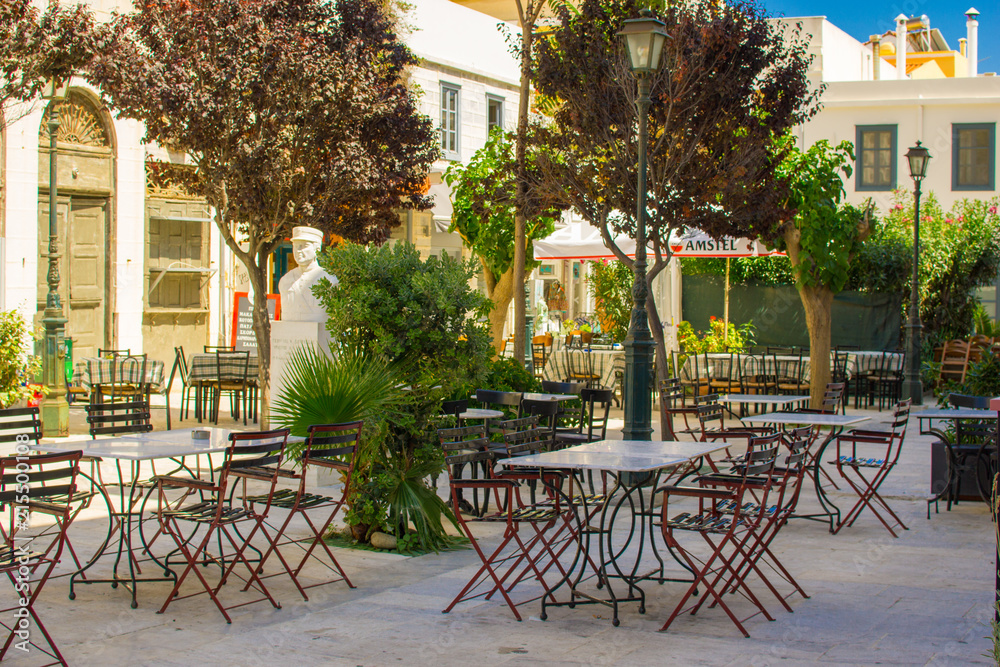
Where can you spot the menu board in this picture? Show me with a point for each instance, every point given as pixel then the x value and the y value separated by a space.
pixel 243 336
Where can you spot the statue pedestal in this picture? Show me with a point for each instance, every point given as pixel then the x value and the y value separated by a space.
pixel 286 337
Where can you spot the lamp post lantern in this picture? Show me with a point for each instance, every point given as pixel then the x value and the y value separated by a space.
pixel 644 39
pixel 917 157
pixel 54 407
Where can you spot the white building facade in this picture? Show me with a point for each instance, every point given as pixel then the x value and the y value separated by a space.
pixel 939 99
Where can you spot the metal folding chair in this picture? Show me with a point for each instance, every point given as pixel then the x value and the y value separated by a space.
pixel 23 426
pixel 787 480
pixel 329 447
pixel 518 556
pixel 672 402
pixel 725 533
pixel 865 474
pixel 33 484
pixel 251 456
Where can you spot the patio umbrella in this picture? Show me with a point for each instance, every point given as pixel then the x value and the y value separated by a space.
pixel 580 240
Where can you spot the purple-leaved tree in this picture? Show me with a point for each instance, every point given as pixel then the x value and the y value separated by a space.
pixel 294 112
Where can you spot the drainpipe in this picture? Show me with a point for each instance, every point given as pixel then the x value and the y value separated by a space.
pixel 972 47
pixel 876 55
pixel 901 46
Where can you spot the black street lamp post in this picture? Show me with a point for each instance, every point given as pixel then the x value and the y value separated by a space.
pixel 54 407
pixel 644 39
pixel 918 157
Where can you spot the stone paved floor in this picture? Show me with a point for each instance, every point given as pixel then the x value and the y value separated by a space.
pixel 923 598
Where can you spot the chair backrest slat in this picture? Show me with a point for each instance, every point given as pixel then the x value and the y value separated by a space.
pixel 255 449
pixel 329 441
pixel 20 425
pixel 33 475
pixel 115 418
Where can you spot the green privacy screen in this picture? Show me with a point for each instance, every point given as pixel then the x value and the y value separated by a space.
pixel 870 321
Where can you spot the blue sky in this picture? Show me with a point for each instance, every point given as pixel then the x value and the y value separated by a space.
pixel 861 18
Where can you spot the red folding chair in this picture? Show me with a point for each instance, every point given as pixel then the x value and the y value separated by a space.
pixel 329 447
pixel 523 545
pixel 23 426
pixel 787 481
pixel 725 532
pixel 251 457
pixel 865 474
pixel 33 484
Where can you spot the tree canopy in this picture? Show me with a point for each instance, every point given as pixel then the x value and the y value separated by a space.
pixel 729 83
pixel 37 46
pixel 483 193
pixel 821 240
pixel 294 112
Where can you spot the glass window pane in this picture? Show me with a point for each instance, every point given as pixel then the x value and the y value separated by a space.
pixel 885 140
pixel 868 139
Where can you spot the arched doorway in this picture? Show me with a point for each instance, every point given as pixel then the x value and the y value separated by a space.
pixel 85 183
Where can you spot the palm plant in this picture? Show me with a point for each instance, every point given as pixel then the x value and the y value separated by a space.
pixel 321 388
pixel 389 489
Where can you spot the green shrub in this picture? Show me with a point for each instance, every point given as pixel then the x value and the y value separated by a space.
pixel 421 318
pixel 17 366
pixel 959 253
pixel 507 374
pixel 719 337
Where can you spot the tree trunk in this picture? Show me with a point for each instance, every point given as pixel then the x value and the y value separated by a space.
pixel 527 16
pixel 520 226
pixel 262 329
pixel 501 294
pixel 818 302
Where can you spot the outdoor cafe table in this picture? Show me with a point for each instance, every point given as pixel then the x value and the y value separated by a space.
pixel 926 419
pixel 531 396
pixel 94 372
pixel 836 424
pixel 634 464
pixel 173 445
pixel 774 402
pixel 720 364
pixel 599 362
pixel 204 367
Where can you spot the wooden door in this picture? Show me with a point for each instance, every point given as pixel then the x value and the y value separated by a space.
pixel 82 268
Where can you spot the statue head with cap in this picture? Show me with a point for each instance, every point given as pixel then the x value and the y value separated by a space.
pixel 297 300
pixel 306 242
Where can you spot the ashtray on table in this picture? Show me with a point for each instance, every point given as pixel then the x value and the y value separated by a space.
pixel 201 434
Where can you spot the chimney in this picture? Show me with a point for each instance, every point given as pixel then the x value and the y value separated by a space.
pixel 972 46
pixel 876 55
pixel 961 45
pixel 901 46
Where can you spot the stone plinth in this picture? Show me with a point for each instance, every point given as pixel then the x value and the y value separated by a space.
pixel 286 337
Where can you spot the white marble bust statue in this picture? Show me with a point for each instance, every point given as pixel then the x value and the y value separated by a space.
pixel 298 303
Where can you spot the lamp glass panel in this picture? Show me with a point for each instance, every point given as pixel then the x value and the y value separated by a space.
pixel 658 40
pixel 639 50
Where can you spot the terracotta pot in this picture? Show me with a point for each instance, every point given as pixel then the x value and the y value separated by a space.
pixel 359 532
